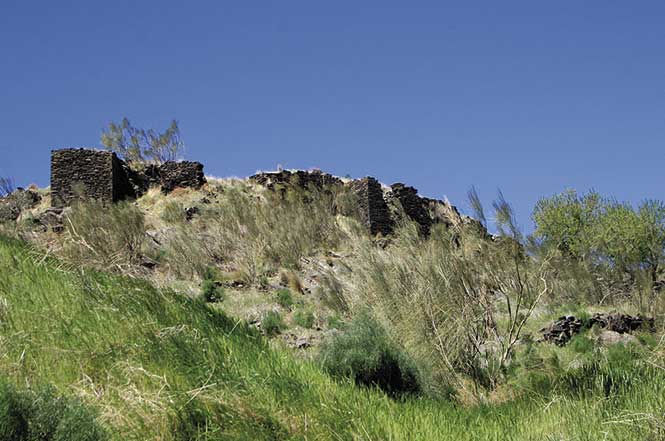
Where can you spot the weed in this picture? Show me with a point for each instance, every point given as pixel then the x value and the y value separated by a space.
pixel 284 298
pixel 272 323
pixel 304 319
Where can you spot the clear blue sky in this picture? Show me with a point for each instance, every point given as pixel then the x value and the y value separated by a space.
pixel 530 97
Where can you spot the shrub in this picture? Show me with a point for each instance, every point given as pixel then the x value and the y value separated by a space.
pixel 335 322
pixel 45 416
pixel 365 353
pixel 211 291
pixel 14 414
pixel 304 319
pixel 284 298
pixel 272 323
pixel 106 237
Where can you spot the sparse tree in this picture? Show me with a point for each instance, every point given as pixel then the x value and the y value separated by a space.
pixel 7 186
pixel 143 146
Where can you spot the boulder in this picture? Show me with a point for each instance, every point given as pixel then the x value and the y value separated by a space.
pixel 13 204
pixel 609 338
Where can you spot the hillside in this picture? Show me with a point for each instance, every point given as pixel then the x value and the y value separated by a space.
pixel 158 303
pixel 155 365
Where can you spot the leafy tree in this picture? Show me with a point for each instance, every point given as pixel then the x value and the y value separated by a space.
pixel 604 232
pixel 565 221
pixel 632 240
pixel 142 146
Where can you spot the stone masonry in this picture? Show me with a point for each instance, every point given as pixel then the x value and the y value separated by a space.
pixel 415 207
pixel 299 178
pixel 372 208
pixel 101 175
pixel 88 173
pixel 181 174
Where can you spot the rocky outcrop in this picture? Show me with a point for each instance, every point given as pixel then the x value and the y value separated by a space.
pixel 372 209
pixel 13 204
pixel 565 328
pixel 184 174
pixel 303 179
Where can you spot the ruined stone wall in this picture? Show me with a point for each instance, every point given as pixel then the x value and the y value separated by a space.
pixel 300 179
pixel 372 208
pixel 415 207
pixel 181 174
pixel 95 174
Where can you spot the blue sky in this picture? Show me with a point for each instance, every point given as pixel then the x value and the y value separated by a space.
pixel 530 97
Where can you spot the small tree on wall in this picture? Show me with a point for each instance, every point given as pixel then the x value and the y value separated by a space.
pixel 143 146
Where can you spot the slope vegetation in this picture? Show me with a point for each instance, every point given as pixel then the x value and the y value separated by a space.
pixel 155 365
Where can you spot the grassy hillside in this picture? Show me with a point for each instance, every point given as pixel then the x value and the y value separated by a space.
pixel 155 365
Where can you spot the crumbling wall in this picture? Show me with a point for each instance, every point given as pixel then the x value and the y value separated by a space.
pixel 372 208
pixel 180 174
pixel 562 330
pixel 101 175
pixel 415 207
pixel 303 179
pixel 87 173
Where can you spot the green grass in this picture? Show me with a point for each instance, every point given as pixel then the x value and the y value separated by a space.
pixel 155 365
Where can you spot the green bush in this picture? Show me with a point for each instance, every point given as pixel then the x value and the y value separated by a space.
pixel 284 298
pixel 45 416
pixel 211 291
pixel 272 323
pixel 304 319
pixel 14 414
pixel 335 322
pixel 365 352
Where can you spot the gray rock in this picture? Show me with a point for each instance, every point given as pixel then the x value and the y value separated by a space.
pixel 608 338
pixel 13 204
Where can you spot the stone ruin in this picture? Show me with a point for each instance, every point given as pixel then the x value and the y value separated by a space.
pixel 372 207
pixel 184 174
pixel 377 207
pixel 101 175
pixel 562 330
pixel 415 207
pixel 299 179
pixel 88 173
